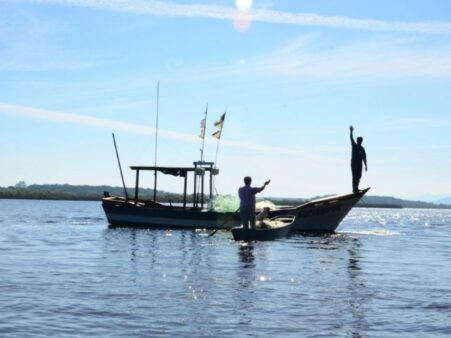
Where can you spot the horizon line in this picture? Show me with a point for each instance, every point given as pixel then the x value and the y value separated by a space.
pixel 408 199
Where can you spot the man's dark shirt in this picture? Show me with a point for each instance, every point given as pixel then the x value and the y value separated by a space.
pixel 358 154
pixel 247 196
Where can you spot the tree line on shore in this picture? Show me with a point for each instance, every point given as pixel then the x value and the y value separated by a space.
pixel 96 193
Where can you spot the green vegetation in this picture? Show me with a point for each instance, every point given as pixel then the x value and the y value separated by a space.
pixel 388 200
pixel 78 192
pixel 95 193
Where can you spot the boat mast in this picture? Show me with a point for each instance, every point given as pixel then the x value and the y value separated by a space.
pixel 120 168
pixel 156 144
pixel 198 171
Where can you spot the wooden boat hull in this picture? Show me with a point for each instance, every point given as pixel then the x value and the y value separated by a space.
pixel 321 215
pixel 318 216
pixel 121 213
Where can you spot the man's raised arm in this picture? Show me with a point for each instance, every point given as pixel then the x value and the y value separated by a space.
pixel 351 130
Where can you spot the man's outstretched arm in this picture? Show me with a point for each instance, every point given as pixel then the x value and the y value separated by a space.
pixel 263 186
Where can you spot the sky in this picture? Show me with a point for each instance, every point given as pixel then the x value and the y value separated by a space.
pixel 292 76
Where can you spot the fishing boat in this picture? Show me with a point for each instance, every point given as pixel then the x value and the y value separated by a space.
pixel 266 230
pixel 319 216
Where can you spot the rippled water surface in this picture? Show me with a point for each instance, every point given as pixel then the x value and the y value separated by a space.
pixel 63 273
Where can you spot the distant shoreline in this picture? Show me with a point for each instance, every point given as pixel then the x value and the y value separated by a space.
pixel 66 192
pixel 384 206
pixel 99 199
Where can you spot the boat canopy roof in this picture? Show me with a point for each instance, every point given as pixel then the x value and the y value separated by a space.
pixel 180 171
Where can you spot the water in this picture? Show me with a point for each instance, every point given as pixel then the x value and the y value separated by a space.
pixel 63 273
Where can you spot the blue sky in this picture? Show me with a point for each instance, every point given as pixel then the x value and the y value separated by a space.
pixel 293 75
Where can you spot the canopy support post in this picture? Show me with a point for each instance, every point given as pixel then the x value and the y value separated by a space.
pixel 155 187
pixel 137 187
pixel 195 184
pixel 202 192
pixel 211 182
pixel 184 190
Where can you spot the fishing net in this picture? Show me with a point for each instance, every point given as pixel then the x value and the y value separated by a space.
pixel 228 203
pixel 224 203
pixel 265 204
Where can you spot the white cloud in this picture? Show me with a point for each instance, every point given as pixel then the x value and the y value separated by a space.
pixel 418 122
pixel 374 58
pixel 303 61
pixel 167 8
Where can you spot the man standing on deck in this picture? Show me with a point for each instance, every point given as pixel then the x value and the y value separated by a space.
pixel 247 202
pixel 358 156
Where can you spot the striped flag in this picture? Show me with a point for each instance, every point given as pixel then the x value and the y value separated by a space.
pixel 219 124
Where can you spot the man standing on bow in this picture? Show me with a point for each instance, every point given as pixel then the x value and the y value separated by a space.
pixel 358 156
pixel 247 202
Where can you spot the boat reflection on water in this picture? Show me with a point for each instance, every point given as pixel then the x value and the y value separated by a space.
pixel 319 260
pixel 246 254
pixel 298 276
pixel 359 294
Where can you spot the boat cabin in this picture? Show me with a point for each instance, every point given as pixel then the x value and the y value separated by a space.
pixel 199 170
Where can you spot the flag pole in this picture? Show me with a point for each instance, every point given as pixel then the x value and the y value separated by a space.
pixel 214 166
pixel 217 149
pixel 216 154
pixel 197 187
pixel 219 139
pixel 203 138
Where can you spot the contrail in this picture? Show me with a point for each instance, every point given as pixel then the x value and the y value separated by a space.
pixel 29 112
pixel 167 8
pixel 43 114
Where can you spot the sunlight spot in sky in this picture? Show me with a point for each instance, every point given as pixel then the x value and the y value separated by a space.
pixel 242 21
pixel 242 62
pixel 243 5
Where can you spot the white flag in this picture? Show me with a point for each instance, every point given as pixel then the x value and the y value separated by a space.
pixel 202 133
pixel 202 128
